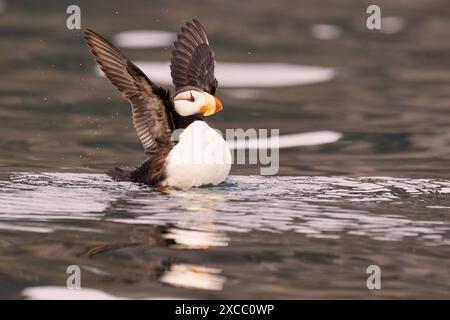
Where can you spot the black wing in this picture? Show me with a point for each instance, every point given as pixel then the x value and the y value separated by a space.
pixel 192 62
pixel 151 105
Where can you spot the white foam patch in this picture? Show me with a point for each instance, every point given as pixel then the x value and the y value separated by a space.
pixel 288 140
pixel 250 75
pixel 326 31
pixel 63 293
pixel 144 39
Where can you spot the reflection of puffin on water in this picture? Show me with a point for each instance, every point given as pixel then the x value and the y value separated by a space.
pixel 201 156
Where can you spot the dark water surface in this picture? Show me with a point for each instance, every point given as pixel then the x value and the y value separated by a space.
pixel 377 194
pixel 274 237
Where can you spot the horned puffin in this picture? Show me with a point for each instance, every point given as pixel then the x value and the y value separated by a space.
pixel 198 155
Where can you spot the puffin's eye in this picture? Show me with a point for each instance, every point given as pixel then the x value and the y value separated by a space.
pixel 191 99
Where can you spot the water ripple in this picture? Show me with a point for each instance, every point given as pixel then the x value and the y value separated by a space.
pixel 320 207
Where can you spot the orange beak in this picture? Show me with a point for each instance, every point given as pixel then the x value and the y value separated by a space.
pixel 212 105
pixel 219 106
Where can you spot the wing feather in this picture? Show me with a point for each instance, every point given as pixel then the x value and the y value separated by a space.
pixel 151 105
pixel 193 61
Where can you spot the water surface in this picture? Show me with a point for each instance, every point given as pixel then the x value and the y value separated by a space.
pixel 300 237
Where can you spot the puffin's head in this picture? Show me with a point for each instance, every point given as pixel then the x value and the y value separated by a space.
pixel 190 102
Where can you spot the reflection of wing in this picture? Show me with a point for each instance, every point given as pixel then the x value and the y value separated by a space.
pixel 151 105
pixel 192 61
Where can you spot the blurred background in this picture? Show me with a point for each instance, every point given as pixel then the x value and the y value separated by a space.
pixel 386 91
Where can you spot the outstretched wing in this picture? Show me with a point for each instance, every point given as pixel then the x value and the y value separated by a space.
pixel 192 62
pixel 151 105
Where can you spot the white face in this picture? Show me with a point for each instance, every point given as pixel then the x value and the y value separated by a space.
pixel 189 102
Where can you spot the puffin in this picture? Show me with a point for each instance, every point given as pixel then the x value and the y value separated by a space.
pixel 182 150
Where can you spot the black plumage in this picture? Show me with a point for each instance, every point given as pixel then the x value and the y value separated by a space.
pixel 193 61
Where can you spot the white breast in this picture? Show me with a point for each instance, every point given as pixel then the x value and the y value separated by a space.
pixel 201 157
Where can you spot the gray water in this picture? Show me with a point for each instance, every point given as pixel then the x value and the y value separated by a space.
pixel 274 237
pixel 365 180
